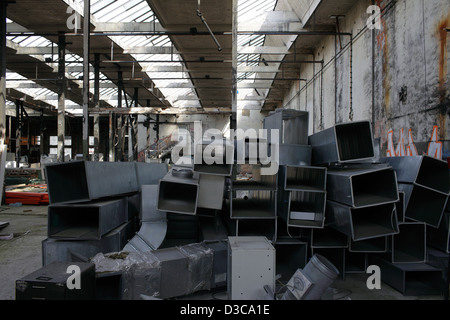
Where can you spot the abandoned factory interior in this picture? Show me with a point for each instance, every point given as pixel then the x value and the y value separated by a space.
pixel 225 150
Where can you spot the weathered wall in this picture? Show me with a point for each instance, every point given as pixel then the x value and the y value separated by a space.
pixel 410 52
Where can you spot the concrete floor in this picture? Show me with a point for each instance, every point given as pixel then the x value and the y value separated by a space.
pixel 22 255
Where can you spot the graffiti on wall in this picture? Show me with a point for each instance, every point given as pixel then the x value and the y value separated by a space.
pixel 407 148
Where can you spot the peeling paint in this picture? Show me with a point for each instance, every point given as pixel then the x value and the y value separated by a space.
pixel 442 90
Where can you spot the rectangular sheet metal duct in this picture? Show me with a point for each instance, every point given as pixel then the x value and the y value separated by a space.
pixel 258 204
pixel 363 223
pixel 214 158
pixel 410 279
pixel 424 204
pixel 409 246
pixel 54 250
pixel 355 262
pixel 361 188
pixel 424 171
pixel 88 221
pixel 291 255
pixel 306 209
pixel 376 245
pixel 343 143
pixel 257 228
pixel 211 192
pixel 293 126
pixel 80 181
pixel 295 155
pixel 440 238
pixel 328 238
pixel 301 178
pixel 178 194
pixel 150 173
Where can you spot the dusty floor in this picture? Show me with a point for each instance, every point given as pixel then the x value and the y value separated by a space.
pixel 23 254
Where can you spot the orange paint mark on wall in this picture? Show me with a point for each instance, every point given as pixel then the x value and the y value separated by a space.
pixel 390 150
pixel 442 34
pixel 411 149
pixel 400 151
pixel 435 147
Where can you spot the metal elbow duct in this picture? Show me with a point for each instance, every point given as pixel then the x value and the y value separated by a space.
pixel 154 223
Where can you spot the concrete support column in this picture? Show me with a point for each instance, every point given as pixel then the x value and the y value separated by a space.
pixel 86 51
pixel 3 6
pixel 97 105
pixel 18 131
pixel 119 150
pixel 111 156
pixel 61 96
pixel 41 133
pixel 134 125
pixel 233 120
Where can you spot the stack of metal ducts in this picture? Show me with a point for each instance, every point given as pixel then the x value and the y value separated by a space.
pixel 94 207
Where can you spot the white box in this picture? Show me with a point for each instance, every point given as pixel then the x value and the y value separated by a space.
pixel 251 266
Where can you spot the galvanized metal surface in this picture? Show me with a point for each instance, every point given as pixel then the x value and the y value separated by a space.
pixel 251 266
pixel 291 255
pixel 150 173
pixel 89 221
pixel 361 188
pixel 211 192
pixel 134 206
pixel 305 209
pixel 61 250
pixel 303 178
pixel 376 245
pixel 174 275
pixel 220 259
pixel 363 223
pixel 258 204
pixel 293 126
pixel 257 228
pixel 295 155
pixel 409 246
pixel 148 204
pixel 424 171
pixel 410 279
pixel 401 207
pixel 257 182
pixel 153 223
pixel 178 195
pixel 334 255
pixel 214 158
pixel 79 181
pixel 150 237
pixel 440 238
pixel 343 143
pixel 212 228
pixel 328 238
pixel 355 262
pixel 50 283
pixel 425 205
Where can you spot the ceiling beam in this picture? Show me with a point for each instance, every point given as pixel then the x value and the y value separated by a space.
pixel 137 111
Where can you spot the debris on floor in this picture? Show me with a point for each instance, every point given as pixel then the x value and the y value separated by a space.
pixel 27 195
pixel 332 209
